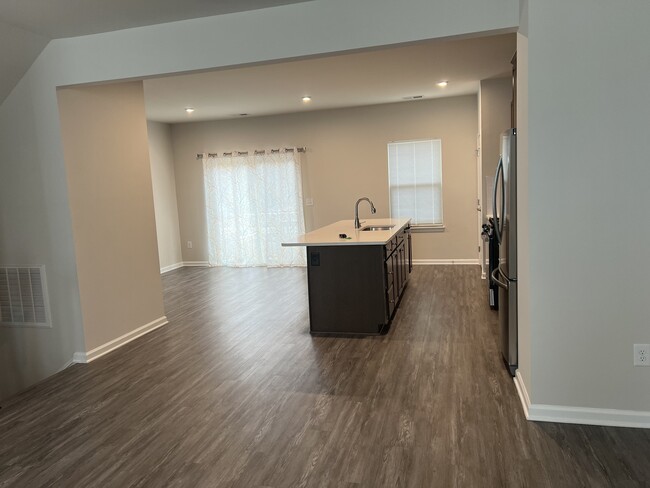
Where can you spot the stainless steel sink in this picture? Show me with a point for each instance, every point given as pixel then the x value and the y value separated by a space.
pixel 377 227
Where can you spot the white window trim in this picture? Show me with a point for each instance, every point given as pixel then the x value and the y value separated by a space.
pixel 425 229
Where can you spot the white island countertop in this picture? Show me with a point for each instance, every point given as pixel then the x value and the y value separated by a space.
pixel 329 235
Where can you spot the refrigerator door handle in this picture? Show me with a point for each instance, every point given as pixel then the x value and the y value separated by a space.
pixel 495 214
pixel 502 220
pixel 501 284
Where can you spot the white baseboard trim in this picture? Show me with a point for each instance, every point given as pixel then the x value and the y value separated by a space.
pixel 86 357
pixel 201 264
pixel 67 365
pixel 580 415
pixel 423 262
pixel 171 267
pixel 183 264
pixel 522 392
pixel 79 357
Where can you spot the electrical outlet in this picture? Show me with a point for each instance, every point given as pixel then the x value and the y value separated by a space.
pixel 309 202
pixel 189 244
pixel 641 354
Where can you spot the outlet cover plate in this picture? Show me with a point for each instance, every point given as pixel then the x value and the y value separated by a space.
pixel 641 354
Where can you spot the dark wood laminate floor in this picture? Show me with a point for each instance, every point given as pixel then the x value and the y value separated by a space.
pixel 235 392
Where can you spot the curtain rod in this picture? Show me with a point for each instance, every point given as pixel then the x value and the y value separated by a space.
pixel 257 151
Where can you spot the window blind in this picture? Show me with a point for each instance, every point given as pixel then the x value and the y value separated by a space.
pixel 415 181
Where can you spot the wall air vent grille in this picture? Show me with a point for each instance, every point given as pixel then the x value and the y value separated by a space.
pixel 23 297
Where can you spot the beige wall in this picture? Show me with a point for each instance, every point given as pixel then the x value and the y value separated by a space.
pixel 496 97
pixel 346 158
pixel 164 193
pixel 104 135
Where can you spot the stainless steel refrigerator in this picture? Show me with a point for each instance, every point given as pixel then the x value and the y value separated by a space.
pixel 504 210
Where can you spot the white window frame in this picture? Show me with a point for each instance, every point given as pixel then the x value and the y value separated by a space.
pixel 432 227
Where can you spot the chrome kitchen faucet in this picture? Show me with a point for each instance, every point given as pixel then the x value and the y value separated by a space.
pixel 357 224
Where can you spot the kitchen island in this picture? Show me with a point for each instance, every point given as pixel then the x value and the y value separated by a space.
pixel 356 282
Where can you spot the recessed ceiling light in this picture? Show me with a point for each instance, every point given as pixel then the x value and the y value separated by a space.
pixel 189 110
pixel 442 83
pixel 306 99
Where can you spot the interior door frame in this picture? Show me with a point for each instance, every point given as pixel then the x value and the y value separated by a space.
pixel 479 192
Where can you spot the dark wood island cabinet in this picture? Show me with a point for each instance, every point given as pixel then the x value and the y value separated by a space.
pixel 355 287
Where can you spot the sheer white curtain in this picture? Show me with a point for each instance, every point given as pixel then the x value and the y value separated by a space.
pixel 253 203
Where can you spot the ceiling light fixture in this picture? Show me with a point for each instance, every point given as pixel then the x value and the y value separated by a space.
pixel 189 110
pixel 306 99
pixel 442 83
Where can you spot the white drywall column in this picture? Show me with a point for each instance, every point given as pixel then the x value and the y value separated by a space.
pixel 588 113
pixel 111 201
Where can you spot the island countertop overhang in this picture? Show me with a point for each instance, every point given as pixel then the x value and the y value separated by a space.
pixel 329 235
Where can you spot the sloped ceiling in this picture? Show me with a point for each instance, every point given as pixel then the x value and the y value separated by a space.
pixel 26 26
pixel 18 50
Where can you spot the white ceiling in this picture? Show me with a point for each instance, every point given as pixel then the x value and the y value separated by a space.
pixel 364 78
pixel 26 26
